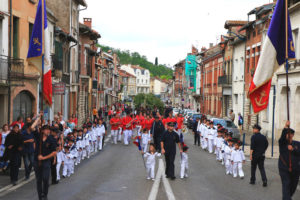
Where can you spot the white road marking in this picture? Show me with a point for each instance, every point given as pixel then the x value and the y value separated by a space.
pixel 167 185
pixel 11 188
pixel 155 186
pixel 160 175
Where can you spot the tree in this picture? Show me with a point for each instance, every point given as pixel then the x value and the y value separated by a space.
pixel 156 61
pixel 150 100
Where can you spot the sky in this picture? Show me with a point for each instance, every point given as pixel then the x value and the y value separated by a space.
pixel 166 29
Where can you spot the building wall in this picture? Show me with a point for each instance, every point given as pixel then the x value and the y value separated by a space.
pixel 238 79
pixel 157 87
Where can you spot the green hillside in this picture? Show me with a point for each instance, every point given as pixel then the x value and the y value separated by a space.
pixel 126 57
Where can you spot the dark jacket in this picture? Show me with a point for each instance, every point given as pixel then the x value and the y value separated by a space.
pixel 195 125
pixel 14 139
pixel 157 129
pixel 259 145
pixel 283 162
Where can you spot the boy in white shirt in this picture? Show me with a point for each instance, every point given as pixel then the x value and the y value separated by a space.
pixel 227 155
pixel 237 159
pixel 67 159
pixel 100 134
pixel 145 140
pixel 184 162
pixel 150 163
pixel 211 134
pixel 219 141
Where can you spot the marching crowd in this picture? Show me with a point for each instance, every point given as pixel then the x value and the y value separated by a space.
pixel 57 147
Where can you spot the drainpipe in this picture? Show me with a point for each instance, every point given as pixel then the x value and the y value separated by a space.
pixel 9 62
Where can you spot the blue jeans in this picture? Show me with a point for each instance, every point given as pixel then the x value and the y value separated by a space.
pixel 28 163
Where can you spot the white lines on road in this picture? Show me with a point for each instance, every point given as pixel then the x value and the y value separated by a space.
pixel 160 175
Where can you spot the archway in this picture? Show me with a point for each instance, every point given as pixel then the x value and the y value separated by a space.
pixel 23 105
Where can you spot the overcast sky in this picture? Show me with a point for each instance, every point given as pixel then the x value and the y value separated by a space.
pixel 164 28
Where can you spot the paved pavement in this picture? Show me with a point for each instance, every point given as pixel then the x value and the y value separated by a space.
pixel 118 173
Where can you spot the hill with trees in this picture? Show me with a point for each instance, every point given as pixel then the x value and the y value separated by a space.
pixel 134 58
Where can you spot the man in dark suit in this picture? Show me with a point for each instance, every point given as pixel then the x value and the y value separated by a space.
pixel 259 145
pixel 289 162
pixel 156 131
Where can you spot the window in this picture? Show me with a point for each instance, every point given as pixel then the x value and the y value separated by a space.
pixel 146 81
pixel 296 42
pixel 1 36
pixel 254 33
pixel 30 27
pixel 138 81
pixel 142 81
pixel 236 98
pixel 143 72
pixel 15 37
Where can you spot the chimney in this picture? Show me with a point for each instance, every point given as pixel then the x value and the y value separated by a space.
pixel 211 45
pixel 87 22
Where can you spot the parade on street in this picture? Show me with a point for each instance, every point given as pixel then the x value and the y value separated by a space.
pixel 159 100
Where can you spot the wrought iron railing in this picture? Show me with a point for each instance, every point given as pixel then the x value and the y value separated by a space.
pixel 225 80
pixel 11 70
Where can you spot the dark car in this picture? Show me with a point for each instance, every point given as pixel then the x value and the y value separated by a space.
pixel 229 125
pixel 192 119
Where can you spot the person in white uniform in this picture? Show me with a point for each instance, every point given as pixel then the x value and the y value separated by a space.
pixel 100 134
pixel 227 153
pixel 145 140
pixel 237 159
pixel 219 141
pixel 211 133
pixel 184 165
pixel 151 160
pixel 67 159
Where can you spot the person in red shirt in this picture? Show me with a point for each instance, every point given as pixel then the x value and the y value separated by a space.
pixel 148 123
pixel 127 123
pixel 180 120
pixel 169 119
pixel 19 122
pixel 142 120
pixel 115 123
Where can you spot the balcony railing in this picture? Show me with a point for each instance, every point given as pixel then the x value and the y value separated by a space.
pixel 225 80
pixel 11 70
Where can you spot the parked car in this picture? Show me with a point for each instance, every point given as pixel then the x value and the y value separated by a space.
pixel 192 119
pixel 229 125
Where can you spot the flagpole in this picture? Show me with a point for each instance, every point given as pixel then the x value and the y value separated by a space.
pixel 287 75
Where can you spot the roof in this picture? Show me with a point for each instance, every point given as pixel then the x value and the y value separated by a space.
pixel 123 73
pixel 262 9
pixel 81 2
pixel 137 67
pixel 84 29
pixel 234 23
pixel 247 26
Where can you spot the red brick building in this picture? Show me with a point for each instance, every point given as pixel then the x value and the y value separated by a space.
pixel 212 63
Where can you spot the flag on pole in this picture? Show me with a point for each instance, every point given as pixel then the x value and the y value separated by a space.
pixel 272 56
pixel 39 50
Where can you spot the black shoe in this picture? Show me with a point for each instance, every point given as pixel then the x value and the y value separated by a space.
pixel 54 182
pixel 252 182
pixel 168 177
pixel 173 178
pixel 265 184
pixel 14 183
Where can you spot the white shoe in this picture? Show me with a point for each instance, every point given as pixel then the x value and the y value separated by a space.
pixel 148 178
pixel 182 177
pixel 153 179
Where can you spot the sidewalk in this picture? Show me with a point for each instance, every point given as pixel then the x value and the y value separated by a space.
pixel 248 136
pixel 5 178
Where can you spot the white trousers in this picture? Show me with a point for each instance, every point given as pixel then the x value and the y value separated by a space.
pixel 210 145
pixel 67 169
pixel 205 142
pixel 78 159
pixel 120 135
pixel 202 141
pixel 144 147
pixel 114 135
pixel 127 136
pixel 228 166
pixel 99 142
pixel 184 169
pixel 150 171
pixel 237 168
pixel 218 154
pixel 58 165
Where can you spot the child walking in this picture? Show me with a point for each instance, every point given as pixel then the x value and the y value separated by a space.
pixel 237 159
pixel 184 162
pixel 150 163
pixel 145 140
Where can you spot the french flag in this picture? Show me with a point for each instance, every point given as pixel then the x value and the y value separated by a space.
pixel 137 142
pixel 272 56
pixel 39 50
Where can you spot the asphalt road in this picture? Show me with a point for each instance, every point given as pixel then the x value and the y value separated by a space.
pixel 118 173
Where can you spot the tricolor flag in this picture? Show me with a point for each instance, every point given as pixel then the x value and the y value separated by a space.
pixel 39 49
pixel 137 142
pixel 273 55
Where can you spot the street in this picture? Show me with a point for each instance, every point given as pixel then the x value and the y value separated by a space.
pixel 118 173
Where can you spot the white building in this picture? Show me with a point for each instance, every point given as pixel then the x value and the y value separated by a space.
pixel 238 91
pixel 294 82
pixel 4 20
pixel 157 87
pixel 142 77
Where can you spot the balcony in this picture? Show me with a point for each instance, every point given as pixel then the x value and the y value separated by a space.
pixel 225 80
pixel 11 71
